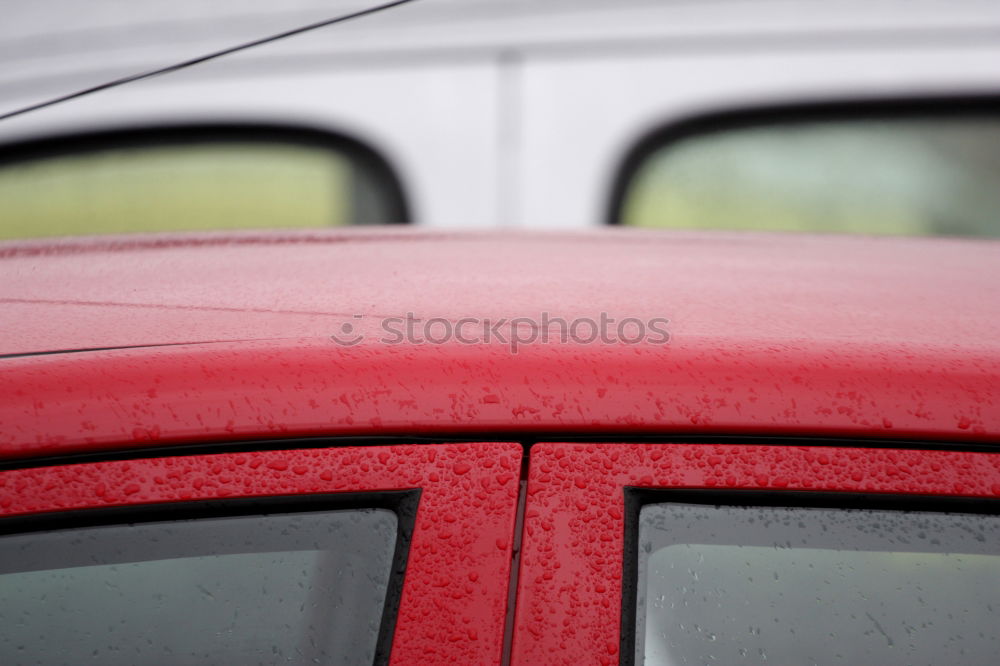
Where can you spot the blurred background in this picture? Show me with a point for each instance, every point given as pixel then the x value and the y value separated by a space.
pixel 807 115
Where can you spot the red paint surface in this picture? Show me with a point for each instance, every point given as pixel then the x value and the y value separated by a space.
pixel 455 590
pixel 229 391
pixel 569 594
pixel 743 289
pixel 771 334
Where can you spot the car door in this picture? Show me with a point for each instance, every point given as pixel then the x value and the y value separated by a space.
pixel 345 555
pixel 663 553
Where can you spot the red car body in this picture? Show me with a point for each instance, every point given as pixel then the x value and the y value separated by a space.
pixel 167 368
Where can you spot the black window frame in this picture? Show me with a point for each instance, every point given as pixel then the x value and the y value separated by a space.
pixel 637 497
pixel 404 503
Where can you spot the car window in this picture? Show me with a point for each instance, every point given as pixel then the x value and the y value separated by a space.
pixel 808 585
pixel 192 181
pixel 897 176
pixel 298 588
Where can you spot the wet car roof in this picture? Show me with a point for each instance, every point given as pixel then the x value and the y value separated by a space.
pixel 229 337
pixel 168 289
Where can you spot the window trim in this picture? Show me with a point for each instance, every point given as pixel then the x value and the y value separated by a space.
pixel 73 143
pixel 679 129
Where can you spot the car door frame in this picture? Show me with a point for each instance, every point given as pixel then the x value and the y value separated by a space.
pixel 572 601
pixel 454 597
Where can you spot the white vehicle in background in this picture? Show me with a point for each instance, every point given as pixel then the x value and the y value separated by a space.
pixel 499 113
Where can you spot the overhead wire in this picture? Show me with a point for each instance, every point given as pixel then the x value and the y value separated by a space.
pixel 184 64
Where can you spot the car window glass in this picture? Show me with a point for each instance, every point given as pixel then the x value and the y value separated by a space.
pixel 191 187
pixel 892 176
pixel 730 584
pixel 299 588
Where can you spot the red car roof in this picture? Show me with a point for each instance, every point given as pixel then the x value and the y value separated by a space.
pixel 831 334
pixel 78 294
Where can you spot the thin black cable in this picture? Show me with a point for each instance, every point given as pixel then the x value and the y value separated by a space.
pixel 197 61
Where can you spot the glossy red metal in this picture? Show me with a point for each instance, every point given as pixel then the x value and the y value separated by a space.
pixel 770 334
pixel 570 590
pixel 455 590
pixel 719 290
pixel 151 397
